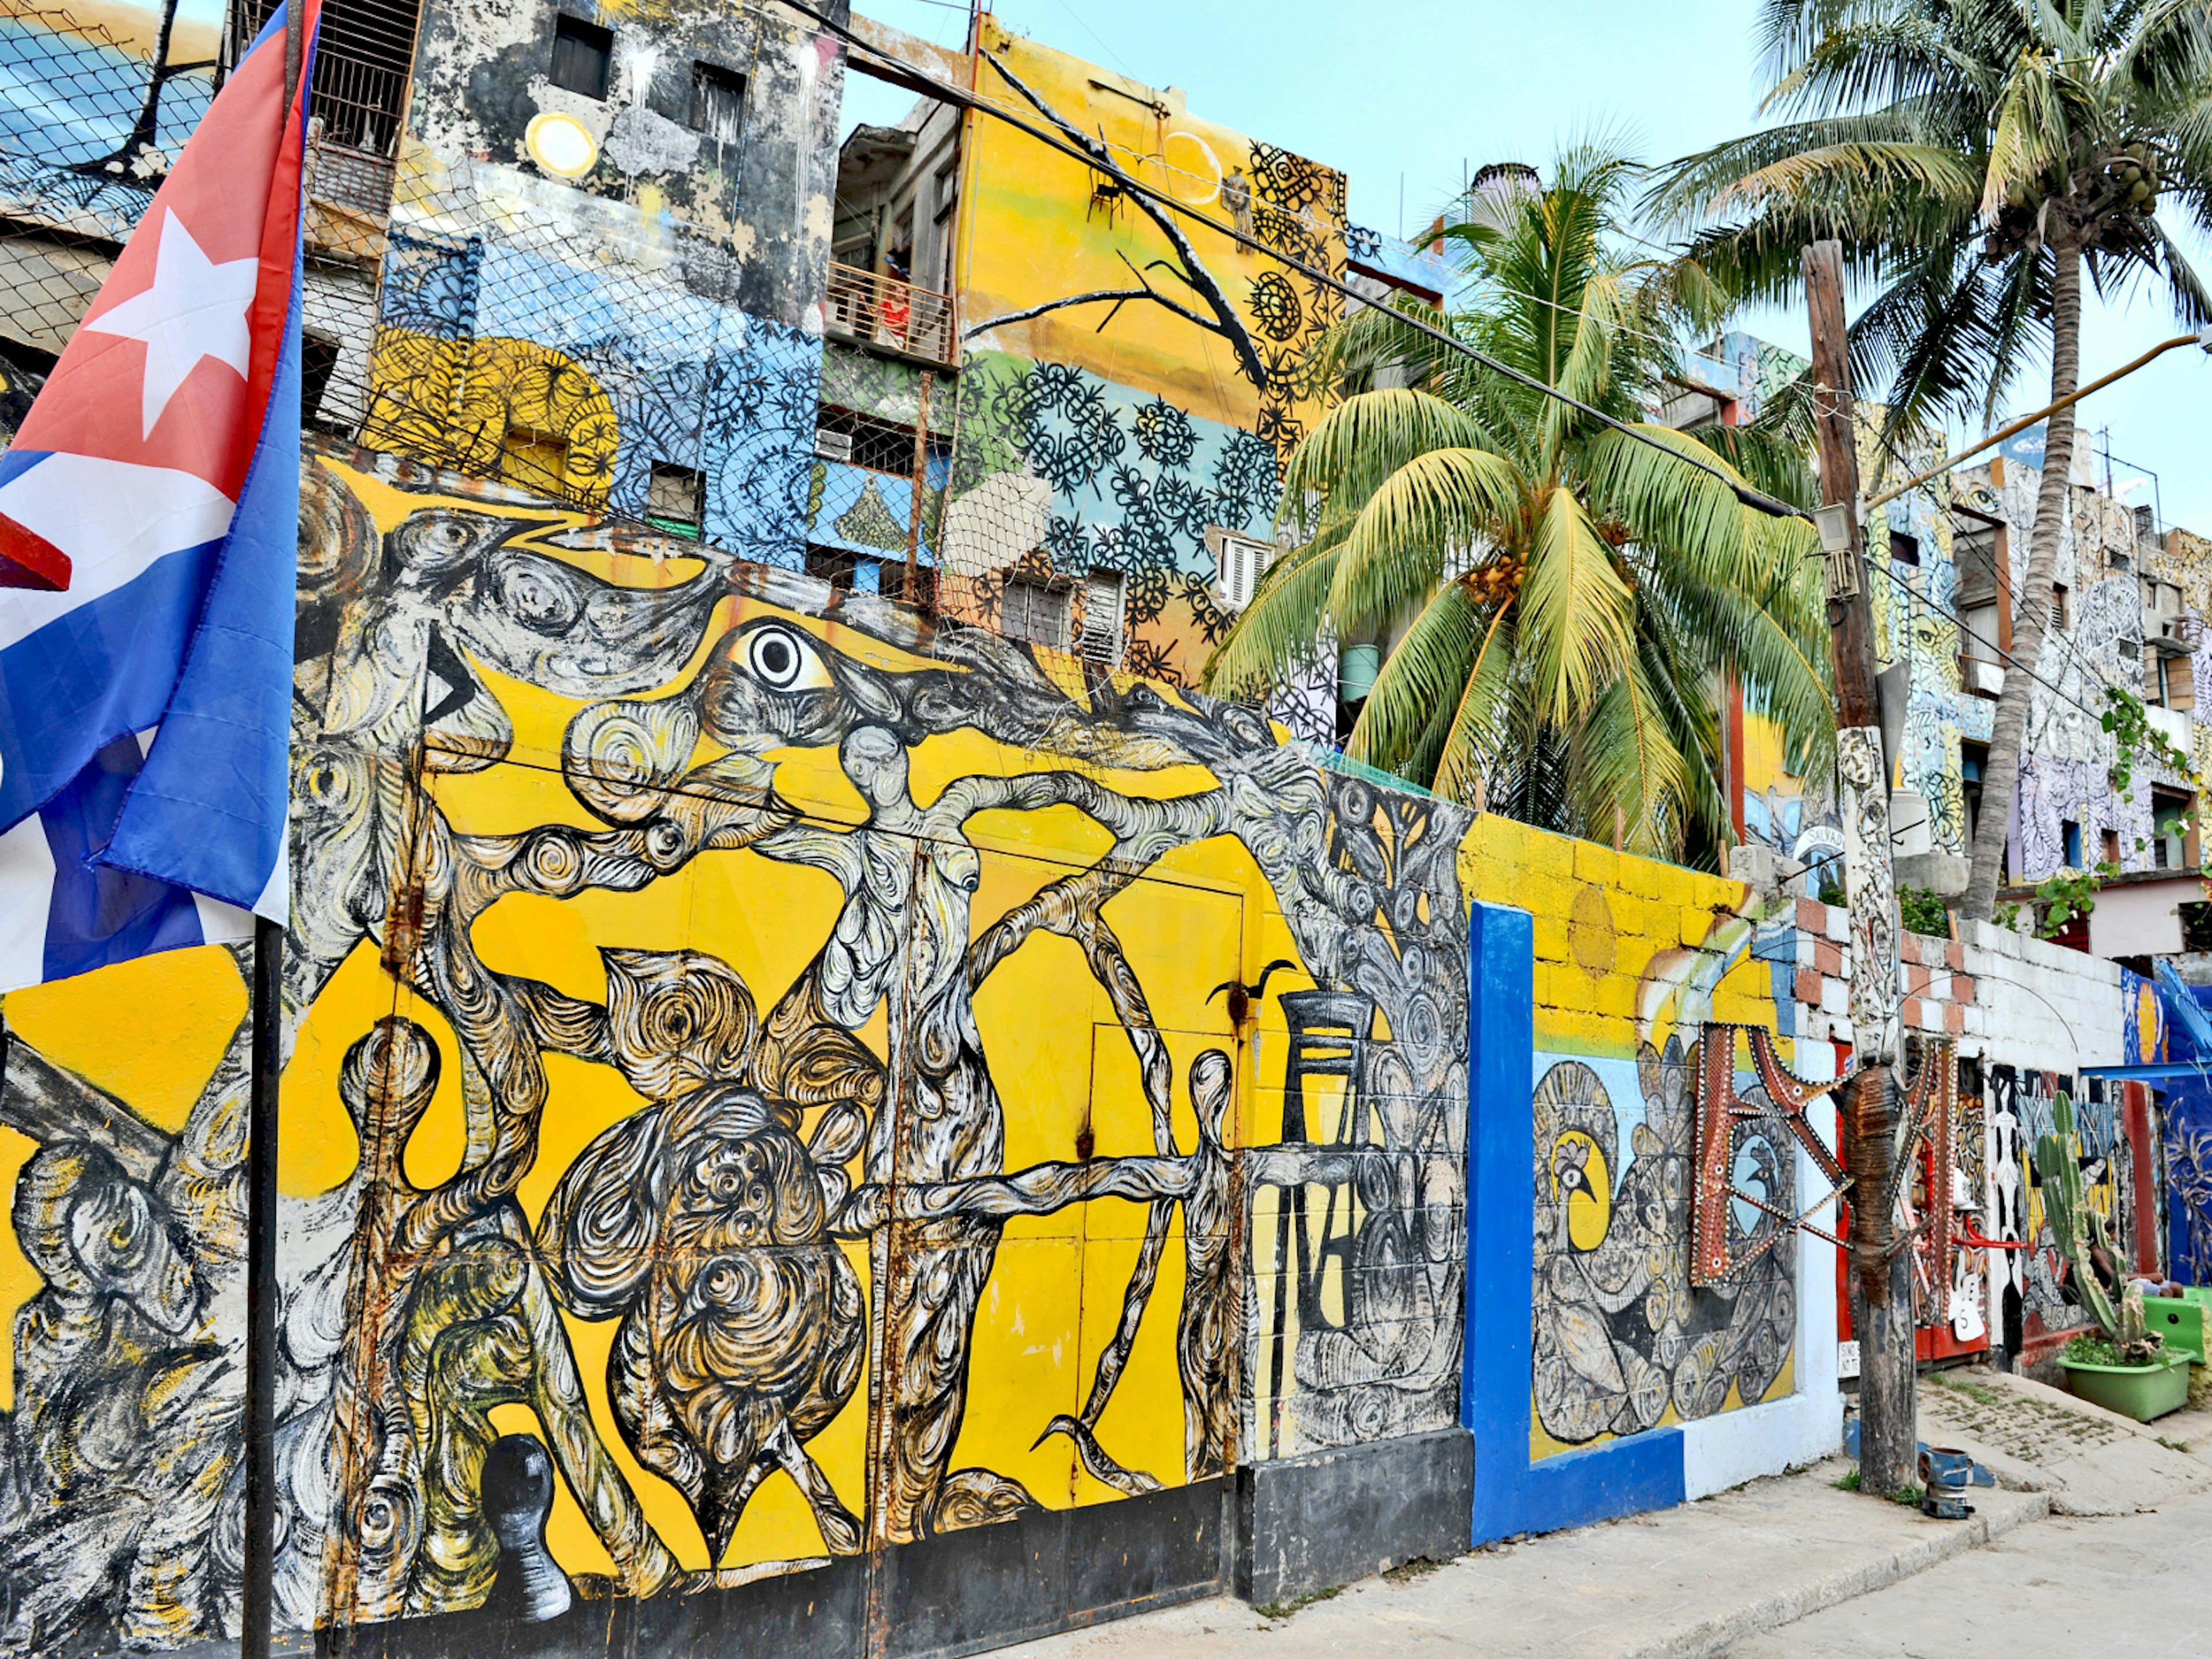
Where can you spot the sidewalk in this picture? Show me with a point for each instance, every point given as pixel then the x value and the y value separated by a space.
pixel 1701 1578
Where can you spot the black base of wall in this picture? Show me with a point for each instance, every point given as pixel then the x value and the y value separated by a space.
pixel 1045 1571
pixel 1273 1533
pixel 1310 1524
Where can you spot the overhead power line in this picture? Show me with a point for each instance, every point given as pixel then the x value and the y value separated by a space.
pixel 961 98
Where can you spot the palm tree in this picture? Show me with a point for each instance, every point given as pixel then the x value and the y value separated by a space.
pixel 1563 598
pixel 1972 156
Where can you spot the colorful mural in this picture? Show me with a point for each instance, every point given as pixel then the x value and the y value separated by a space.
pixel 761 1087
pixel 1631 959
pixel 1623 1341
pixel 1133 377
pixel 2028 1294
pixel 586 382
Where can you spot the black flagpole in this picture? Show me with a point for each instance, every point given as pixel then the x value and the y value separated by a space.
pixel 261 1290
pixel 259 1600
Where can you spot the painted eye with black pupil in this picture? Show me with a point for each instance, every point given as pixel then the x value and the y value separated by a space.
pixel 783 659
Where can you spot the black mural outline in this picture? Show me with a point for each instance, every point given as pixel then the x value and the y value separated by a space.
pixel 1620 1334
pixel 409 1314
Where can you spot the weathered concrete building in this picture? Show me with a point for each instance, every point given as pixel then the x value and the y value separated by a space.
pixel 1948 563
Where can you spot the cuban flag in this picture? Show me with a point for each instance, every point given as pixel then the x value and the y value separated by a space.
pixel 150 507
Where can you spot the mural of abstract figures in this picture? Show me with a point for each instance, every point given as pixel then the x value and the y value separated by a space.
pixel 760 1088
pixel 1622 1341
pixel 2019 1103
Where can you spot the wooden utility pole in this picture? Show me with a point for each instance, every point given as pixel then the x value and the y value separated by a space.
pixel 913 594
pixel 1881 1284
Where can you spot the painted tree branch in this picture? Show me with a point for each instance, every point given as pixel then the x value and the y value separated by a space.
pixel 1193 272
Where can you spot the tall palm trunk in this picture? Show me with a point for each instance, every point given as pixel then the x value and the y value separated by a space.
pixel 2032 604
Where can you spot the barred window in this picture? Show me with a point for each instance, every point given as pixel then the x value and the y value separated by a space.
pixel 868 441
pixel 1034 610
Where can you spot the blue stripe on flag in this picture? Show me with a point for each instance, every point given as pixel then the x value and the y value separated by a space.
pixel 101 916
pixel 109 665
pixel 208 812
pixel 14 462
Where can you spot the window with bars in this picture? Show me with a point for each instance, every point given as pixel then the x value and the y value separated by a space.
pixel 357 101
pixel 2060 612
pixel 868 441
pixel 1035 612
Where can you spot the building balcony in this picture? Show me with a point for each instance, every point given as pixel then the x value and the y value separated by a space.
pixel 1981 678
pixel 880 312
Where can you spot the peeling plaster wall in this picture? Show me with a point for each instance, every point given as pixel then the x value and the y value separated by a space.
pixel 481 76
pixel 661 311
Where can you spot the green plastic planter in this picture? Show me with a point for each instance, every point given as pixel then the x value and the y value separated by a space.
pixel 2142 1392
pixel 2180 1321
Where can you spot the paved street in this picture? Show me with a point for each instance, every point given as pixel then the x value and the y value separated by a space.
pixel 2105 1586
pixel 2099 1521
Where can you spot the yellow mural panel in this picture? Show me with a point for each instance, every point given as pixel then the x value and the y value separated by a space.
pixel 1195 316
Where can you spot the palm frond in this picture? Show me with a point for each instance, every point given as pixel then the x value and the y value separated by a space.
pixel 1580 616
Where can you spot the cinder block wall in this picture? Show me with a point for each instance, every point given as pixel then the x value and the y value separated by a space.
pixel 2006 998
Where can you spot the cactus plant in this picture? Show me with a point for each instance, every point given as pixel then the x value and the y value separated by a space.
pixel 2079 1232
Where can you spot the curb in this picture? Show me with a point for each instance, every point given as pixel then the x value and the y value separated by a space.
pixel 1714 1636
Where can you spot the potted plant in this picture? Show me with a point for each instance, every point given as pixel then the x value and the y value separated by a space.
pixel 2124 1367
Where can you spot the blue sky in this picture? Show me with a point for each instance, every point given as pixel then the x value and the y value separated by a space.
pixel 1422 88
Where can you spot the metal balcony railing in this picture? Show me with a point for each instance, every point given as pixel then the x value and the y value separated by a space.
pixel 880 310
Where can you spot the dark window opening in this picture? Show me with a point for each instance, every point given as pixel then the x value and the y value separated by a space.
pixel 838 568
pixel 2112 839
pixel 1903 549
pixel 1972 757
pixel 583 53
pixel 2196 925
pixel 675 498
pixel 2070 834
pixel 718 104
pixel 2170 830
pixel 318 361
pixel 2060 612
pixel 868 441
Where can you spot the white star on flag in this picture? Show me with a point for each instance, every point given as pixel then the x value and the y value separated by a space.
pixel 195 309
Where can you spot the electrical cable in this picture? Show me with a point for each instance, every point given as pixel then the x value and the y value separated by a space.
pixel 1750 497
pixel 945 92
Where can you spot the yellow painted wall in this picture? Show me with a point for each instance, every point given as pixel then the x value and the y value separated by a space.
pixel 625 797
